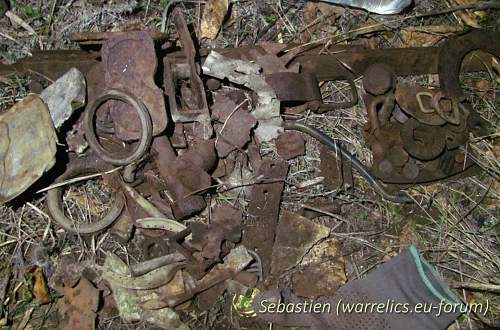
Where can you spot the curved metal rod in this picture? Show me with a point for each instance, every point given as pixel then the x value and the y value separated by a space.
pixel 55 203
pixel 399 197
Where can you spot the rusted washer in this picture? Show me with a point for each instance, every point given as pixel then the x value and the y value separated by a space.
pixel 55 203
pixel 144 119
pixel 422 141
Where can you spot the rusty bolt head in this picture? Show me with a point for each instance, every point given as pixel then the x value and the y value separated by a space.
pixel 378 79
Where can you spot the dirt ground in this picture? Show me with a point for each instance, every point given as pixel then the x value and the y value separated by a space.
pixel 455 224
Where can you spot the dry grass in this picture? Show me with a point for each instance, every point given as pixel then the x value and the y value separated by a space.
pixel 455 223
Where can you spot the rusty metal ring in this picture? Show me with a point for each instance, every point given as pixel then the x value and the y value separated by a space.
pixel 144 118
pixel 422 141
pixel 55 203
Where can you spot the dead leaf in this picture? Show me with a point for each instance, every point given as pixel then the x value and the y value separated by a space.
pixel 427 36
pixel 40 289
pixel 469 17
pixel 213 16
pixel 16 20
pixel 317 15
pixel 482 87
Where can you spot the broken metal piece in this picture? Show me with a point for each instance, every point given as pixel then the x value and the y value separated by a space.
pixel 55 200
pixel 234 262
pixel 294 87
pixel 130 65
pixel 421 141
pixel 325 264
pixel 144 121
pixel 176 72
pixel 186 176
pixel 295 236
pixel 51 64
pixel 290 145
pixel 147 266
pixel 453 53
pixel 263 210
pixel 226 225
pixel 28 144
pixel 98 38
pixel 236 125
pixel 78 308
pixel 64 96
pixel 267 109
pixel 336 170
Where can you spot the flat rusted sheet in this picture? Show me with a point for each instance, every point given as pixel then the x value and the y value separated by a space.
pixel 290 145
pixel 98 38
pixel 130 64
pixel 404 61
pixel 263 210
pixel 324 264
pixel 295 236
pixel 51 63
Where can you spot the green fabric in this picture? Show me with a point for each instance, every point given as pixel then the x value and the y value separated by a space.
pixel 419 263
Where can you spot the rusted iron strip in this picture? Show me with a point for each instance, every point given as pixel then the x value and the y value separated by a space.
pixel 263 210
pixel 98 38
pixel 404 61
pixel 51 64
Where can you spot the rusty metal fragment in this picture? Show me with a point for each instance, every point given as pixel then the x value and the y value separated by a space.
pixel 290 145
pixel 51 64
pixel 295 236
pixel 336 170
pixel 55 205
pixel 186 176
pixel 79 306
pixel 325 264
pixel 294 87
pixel 27 146
pixel 263 210
pixel 236 125
pixel 267 109
pixel 130 65
pixel 183 75
pixel 226 225
pixel 416 101
pixel 234 263
pixel 98 38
